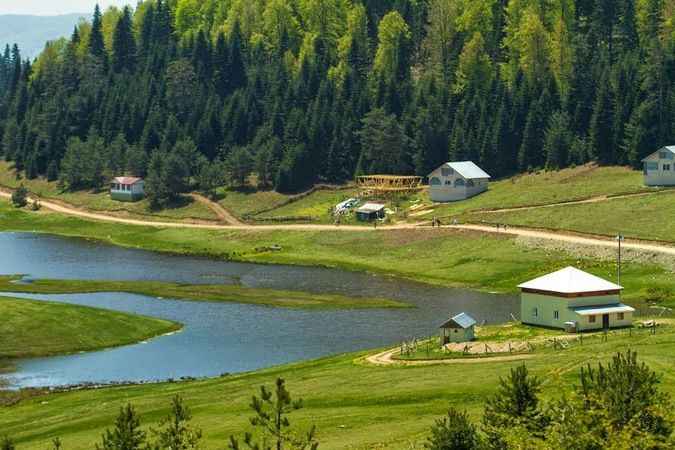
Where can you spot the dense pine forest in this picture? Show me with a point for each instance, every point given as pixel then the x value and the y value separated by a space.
pixel 197 93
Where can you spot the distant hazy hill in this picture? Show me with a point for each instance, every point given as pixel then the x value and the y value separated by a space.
pixel 32 32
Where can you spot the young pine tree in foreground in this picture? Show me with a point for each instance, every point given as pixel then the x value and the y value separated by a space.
pixel 271 423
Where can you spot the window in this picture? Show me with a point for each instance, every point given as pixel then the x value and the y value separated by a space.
pixel 535 312
pixel 649 166
pixel 556 315
pixel 666 167
pixel 447 172
pixel 448 183
pixel 435 181
pixel 619 316
pixel 459 182
pixel 470 183
pixel 665 155
pixel 591 319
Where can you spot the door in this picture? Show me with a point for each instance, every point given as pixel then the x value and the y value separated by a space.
pixel 605 321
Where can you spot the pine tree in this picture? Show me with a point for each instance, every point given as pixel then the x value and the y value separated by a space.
pixel 96 43
pixel 126 435
pixel 124 44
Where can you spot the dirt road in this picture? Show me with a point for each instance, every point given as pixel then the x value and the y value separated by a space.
pixel 572 238
pixel 386 359
pixel 653 247
pixel 222 213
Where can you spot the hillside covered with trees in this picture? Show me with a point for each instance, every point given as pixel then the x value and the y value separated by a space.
pixel 194 93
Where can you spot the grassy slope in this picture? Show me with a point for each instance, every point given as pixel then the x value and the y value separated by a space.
pixel 552 187
pixel 101 201
pixel 36 328
pixel 215 293
pixel 650 217
pixel 317 206
pixel 443 257
pixel 353 404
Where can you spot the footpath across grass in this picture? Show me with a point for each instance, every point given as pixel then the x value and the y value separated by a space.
pixel 36 328
pixel 547 187
pixel 200 292
pixel 353 404
pixel 650 217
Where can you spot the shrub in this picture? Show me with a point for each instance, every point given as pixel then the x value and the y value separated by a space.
pixel 20 197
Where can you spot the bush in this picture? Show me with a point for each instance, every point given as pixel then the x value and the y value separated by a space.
pixel 20 197
pixel 454 432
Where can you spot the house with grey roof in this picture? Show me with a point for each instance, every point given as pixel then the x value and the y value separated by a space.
pixel 459 328
pixel 659 167
pixel 454 181
pixel 573 300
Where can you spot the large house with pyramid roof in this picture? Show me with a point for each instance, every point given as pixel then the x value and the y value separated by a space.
pixel 573 299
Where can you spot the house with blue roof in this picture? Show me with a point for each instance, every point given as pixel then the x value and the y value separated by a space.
pixel 659 167
pixel 459 328
pixel 455 181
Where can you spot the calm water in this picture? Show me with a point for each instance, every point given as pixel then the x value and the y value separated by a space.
pixel 222 337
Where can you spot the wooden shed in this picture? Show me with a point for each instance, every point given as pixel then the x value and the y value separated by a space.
pixel 459 328
pixel 370 212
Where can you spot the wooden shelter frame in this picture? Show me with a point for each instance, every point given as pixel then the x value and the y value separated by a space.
pixel 388 185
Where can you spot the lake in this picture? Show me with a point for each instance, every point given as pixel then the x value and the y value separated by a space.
pixel 224 337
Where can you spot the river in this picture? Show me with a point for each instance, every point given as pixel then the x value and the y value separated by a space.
pixel 224 337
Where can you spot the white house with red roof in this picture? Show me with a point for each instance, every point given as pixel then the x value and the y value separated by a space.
pixel 572 298
pixel 127 189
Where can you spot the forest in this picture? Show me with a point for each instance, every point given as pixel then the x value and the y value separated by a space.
pixel 200 93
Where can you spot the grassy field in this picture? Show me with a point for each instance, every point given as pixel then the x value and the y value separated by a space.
pixel 444 257
pixel 546 187
pixel 315 207
pixel 647 217
pixel 35 328
pixel 188 209
pixel 213 293
pixel 353 404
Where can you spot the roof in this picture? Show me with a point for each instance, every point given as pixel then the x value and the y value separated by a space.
pixel 467 169
pixel 603 309
pixel 570 280
pixel 370 208
pixel 668 148
pixel 127 180
pixel 462 320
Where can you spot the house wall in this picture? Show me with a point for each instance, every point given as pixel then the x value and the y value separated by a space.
pixel 137 192
pixel 658 170
pixel 448 192
pixel 546 307
pixel 459 335
pixel 584 322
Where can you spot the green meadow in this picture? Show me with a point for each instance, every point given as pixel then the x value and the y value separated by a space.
pixel 354 405
pixel 200 292
pixel 36 328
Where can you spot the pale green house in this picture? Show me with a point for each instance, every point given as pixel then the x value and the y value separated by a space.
pixel 127 189
pixel 573 300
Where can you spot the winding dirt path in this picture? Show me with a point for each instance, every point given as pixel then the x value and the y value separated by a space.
pixel 646 246
pixel 222 213
pixel 386 358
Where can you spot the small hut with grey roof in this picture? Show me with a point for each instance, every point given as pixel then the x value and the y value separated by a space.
pixel 459 328
pixel 454 181
pixel 574 300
